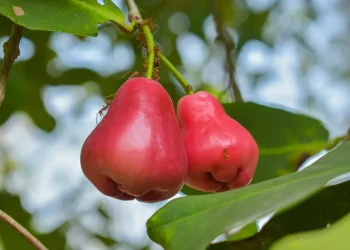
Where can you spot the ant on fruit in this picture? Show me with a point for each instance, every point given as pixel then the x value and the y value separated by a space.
pixel 141 36
pixel 134 74
pixel 155 73
pixel 151 24
pixel 145 64
pixel 157 50
pixel 156 61
pixel 104 107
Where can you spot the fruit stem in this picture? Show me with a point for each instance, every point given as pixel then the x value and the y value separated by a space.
pixel 185 85
pixel 20 229
pixel 11 52
pixel 150 50
pixel 128 29
pixel 135 16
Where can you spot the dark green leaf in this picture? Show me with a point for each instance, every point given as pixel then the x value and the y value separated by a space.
pixel 79 17
pixel 173 225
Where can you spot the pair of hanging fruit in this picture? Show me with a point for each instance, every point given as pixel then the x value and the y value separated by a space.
pixel 142 149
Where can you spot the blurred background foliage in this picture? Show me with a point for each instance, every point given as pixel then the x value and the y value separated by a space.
pixel 290 55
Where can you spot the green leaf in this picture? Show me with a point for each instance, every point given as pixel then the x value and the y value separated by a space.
pixel 192 222
pixel 79 17
pixel 335 237
pixel 321 210
pixel 245 232
pixel 284 138
pixel 252 28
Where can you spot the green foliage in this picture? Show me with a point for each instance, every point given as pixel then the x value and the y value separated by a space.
pixel 70 16
pixel 27 78
pixel 173 225
pixel 335 237
pixel 11 239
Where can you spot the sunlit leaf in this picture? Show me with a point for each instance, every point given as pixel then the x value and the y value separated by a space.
pixel 192 222
pixel 79 17
pixel 335 237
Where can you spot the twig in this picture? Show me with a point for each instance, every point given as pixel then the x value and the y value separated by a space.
pixel 11 52
pixel 228 43
pixel 186 86
pixel 134 15
pixel 128 29
pixel 20 229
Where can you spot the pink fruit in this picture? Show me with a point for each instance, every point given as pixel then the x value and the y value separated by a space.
pixel 136 151
pixel 221 153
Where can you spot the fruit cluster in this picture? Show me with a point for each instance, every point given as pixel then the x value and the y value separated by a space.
pixel 142 149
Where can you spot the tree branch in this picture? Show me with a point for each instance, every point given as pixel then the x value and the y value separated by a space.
pixel 224 37
pixel 11 52
pixel 20 229
pixel 134 13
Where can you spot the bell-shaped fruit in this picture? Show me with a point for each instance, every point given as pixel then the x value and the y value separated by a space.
pixel 221 153
pixel 136 151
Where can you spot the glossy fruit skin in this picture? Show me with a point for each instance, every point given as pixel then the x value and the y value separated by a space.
pixel 221 153
pixel 135 151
